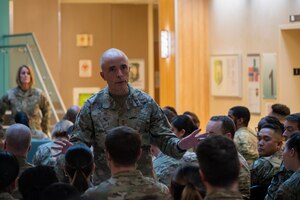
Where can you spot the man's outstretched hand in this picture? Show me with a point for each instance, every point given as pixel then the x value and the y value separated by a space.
pixel 63 146
pixel 192 140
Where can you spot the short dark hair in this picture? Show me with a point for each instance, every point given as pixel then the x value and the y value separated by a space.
pixel 280 109
pixel 277 128
pixel 241 112
pixel 294 142
pixel 34 180
pixel 294 118
pixel 22 118
pixel 227 124
pixel 270 120
pixel 9 169
pixel 79 158
pixel 124 145
pixel 184 122
pixel 218 160
pixel 194 117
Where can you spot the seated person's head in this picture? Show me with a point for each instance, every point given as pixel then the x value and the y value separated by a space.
pixel 219 162
pixel 291 154
pixel 60 129
pixel 9 170
pixel 240 116
pixel 123 146
pixel 22 118
pixel 221 125
pixel 193 117
pixel 186 182
pixel 269 139
pixel 291 125
pixel 269 120
pixel 60 191
pixel 280 111
pixel 170 113
pixel 71 114
pixel 183 126
pixel 33 181
pixel 79 165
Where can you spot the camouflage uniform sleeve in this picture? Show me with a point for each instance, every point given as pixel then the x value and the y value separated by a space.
pixel 45 108
pixel 4 105
pixel 262 172
pixel 83 128
pixel 160 131
pixel 243 145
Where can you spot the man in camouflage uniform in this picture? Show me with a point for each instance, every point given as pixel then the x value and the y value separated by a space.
pixel 290 189
pixel 120 104
pixel 269 148
pixel 219 172
pixel 244 138
pixel 223 125
pixel 291 125
pixel 123 148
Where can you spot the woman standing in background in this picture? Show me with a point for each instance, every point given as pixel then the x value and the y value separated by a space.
pixel 25 98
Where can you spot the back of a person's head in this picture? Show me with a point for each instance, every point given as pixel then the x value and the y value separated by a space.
pixel 193 116
pixel 186 183
pixel 79 164
pixel 295 117
pixel 184 122
pixel 269 120
pixel 60 191
pixel 34 180
pixel 241 112
pixel 123 145
pixel 218 161
pixel 280 109
pixel 61 129
pixel 22 118
pixel 71 113
pixel 228 125
pixel 18 139
pixel 9 169
pixel 170 113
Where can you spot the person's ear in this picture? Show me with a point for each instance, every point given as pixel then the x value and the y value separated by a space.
pixel 228 135
pixel 107 156
pixel 181 133
pixel 140 154
pixel 4 145
pixel 240 121
pixel 102 75
pixel 292 152
pixel 202 175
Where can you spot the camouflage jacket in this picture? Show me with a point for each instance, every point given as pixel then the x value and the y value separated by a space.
pixel 189 157
pixel 33 102
pixel 246 143
pixel 130 185
pixel 282 175
pixel 244 178
pixel 290 189
pixel 101 113
pixel 164 167
pixel 264 168
pixel 225 194
pixel 6 196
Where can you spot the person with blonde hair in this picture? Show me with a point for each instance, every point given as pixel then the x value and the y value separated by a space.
pixel 28 99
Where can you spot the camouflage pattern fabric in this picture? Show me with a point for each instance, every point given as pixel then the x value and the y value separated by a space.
pixel 164 167
pixel 189 157
pixel 264 168
pixel 33 102
pixel 277 180
pixel 290 189
pixel 101 113
pixel 244 178
pixel 128 185
pixel 246 143
pixel 6 196
pixel 224 194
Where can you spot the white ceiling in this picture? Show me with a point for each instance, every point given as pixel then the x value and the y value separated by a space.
pixel 112 1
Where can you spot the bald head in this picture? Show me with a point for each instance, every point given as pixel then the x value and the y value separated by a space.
pixel 18 139
pixel 72 113
pixel 111 54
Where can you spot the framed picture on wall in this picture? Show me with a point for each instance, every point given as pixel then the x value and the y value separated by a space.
pixel 137 73
pixel 80 95
pixel 226 75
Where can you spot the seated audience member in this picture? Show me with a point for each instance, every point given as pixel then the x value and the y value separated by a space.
pixel 9 170
pixel 170 113
pixel 291 126
pixel 35 180
pixel 60 191
pixel 22 118
pixel 269 120
pixel 270 156
pixel 186 183
pixel 219 167
pixel 223 125
pixel 123 147
pixel 244 138
pixel 79 165
pixel 193 117
pixel 44 154
pixel 18 142
pixel 71 114
pixel 290 189
pixel 280 111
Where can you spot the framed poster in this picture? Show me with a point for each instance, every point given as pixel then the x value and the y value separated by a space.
pixel 80 95
pixel 226 75
pixel 269 75
pixel 254 72
pixel 137 73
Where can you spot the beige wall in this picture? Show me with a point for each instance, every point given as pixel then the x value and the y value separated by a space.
pixel 242 27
